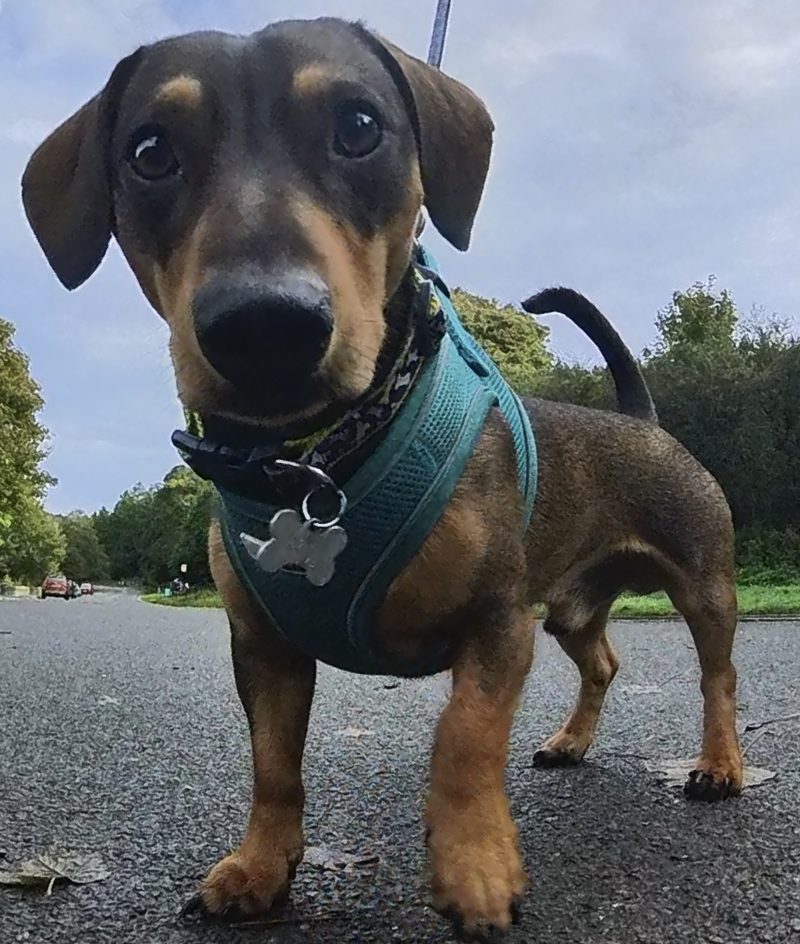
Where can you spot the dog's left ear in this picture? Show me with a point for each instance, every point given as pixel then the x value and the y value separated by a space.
pixel 454 138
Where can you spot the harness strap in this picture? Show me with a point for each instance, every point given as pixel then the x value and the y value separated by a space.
pixel 509 403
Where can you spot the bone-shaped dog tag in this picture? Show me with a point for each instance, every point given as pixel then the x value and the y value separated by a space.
pixel 298 545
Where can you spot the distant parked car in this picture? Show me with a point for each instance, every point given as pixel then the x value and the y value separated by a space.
pixel 56 585
pixel 87 589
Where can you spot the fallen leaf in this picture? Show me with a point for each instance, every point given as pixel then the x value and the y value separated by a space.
pixel 57 865
pixel 333 860
pixel 355 733
pixel 675 773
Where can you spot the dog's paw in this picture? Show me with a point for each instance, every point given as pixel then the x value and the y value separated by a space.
pixel 562 750
pixel 477 883
pixel 238 888
pixel 711 785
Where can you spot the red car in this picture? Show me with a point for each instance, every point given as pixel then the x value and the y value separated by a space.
pixel 56 585
pixel 87 589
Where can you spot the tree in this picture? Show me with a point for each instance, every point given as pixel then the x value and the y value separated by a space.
pixel 572 383
pixel 177 528
pixel 514 340
pixel 191 546
pixel 29 541
pixel 151 532
pixel 122 532
pixel 34 544
pixel 698 324
pixel 85 558
pixel 728 388
pixel 22 437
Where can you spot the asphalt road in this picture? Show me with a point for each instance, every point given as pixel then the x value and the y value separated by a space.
pixel 120 733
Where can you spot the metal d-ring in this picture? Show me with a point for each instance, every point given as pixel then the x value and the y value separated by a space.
pixel 325 482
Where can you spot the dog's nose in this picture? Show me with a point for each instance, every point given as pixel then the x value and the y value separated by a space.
pixel 254 332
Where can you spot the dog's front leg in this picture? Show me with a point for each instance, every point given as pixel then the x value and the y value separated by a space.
pixel 477 870
pixel 276 686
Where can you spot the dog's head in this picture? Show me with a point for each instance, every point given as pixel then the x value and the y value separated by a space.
pixel 265 191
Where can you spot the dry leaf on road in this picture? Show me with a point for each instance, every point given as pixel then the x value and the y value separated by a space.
pixel 355 733
pixel 56 865
pixel 334 860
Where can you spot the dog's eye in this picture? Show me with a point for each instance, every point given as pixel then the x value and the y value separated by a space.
pixel 151 156
pixel 356 131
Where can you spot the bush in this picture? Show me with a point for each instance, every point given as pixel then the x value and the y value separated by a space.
pixel 768 556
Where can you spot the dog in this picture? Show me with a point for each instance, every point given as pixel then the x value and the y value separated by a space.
pixel 266 192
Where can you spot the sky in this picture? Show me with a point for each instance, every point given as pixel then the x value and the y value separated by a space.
pixel 640 147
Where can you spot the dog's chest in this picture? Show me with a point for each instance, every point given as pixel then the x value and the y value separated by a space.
pixel 399 497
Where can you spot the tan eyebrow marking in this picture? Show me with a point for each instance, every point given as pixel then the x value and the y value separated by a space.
pixel 183 89
pixel 311 79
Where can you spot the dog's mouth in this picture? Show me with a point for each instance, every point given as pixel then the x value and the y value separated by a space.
pixel 276 399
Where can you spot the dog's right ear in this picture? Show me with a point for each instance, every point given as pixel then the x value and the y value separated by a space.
pixel 66 189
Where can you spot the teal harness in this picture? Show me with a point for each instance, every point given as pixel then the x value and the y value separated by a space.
pixel 394 499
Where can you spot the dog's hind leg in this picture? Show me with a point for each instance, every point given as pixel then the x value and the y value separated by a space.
pixel 591 651
pixel 711 614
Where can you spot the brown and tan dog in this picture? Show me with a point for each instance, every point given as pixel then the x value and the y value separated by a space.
pixel 265 191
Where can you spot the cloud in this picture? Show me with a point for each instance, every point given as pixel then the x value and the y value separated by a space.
pixel 75 31
pixel 639 148
pixel 26 131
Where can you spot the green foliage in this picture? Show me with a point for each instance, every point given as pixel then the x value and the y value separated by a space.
pixel 769 556
pixel 122 531
pixel 33 543
pixel 698 325
pixel 151 532
pixel 207 599
pixel 178 528
pixel 729 390
pixel 571 383
pixel 86 558
pixel 30 541
pixel 755 599
pixel 514 340
pixel 22 437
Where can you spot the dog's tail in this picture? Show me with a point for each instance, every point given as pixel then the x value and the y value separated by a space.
pixel 633 394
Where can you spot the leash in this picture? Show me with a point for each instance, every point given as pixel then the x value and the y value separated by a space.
pixel 441 21
pixel 439 33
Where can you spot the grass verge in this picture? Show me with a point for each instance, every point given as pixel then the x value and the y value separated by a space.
pixel 206 598
pixel 754 600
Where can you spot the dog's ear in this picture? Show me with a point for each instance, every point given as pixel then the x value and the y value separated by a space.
pixel 65 187
pixel 454 138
